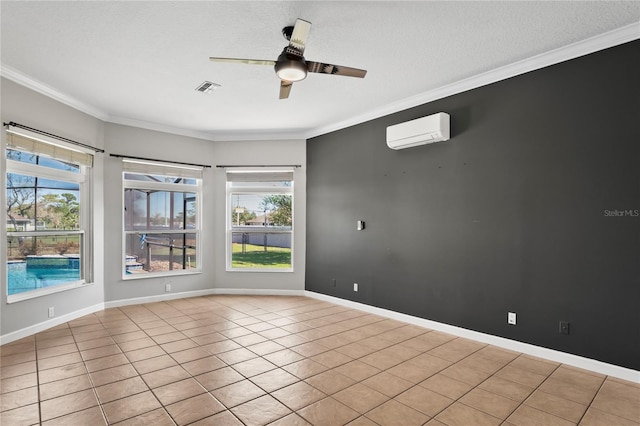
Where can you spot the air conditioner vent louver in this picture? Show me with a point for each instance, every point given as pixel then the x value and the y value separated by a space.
pixel 207 87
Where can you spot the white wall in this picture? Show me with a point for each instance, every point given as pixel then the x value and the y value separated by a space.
pixel 293 152
pixel 126 140
pixel 29 108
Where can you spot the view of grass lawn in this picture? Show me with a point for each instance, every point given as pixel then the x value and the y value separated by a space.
pixel 255 257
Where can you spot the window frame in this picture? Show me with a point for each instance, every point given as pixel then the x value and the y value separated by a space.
pixel 162 169
pixel 84 179
pixel 260 190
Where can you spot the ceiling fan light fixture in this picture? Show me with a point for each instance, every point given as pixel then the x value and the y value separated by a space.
pixel 291 69
pixel 291 66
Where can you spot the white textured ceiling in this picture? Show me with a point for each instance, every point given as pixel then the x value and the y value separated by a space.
pixel 140 62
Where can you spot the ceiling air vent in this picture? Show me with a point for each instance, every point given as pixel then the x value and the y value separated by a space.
pixel 207 87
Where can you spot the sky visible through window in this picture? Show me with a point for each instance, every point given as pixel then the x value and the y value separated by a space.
pixel 252 203
pixel 54 194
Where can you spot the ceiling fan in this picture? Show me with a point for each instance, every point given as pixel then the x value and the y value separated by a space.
pixel 291 66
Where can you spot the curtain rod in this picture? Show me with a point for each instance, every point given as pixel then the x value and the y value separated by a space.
pixel 51 135
pixel 160 161
pixel 222 166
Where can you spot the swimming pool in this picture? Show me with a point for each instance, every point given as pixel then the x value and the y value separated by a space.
pixel 22 278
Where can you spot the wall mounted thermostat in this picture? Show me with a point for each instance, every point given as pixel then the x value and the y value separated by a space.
pixel 360 225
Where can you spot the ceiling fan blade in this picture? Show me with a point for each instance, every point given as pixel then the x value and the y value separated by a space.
pixel 285 89
pixel 299 36
pixel 243 61
pixel 322 68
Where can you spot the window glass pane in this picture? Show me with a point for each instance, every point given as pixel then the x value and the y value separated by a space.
pixel 157 210
pixel 252 247
pixel 53 204
pixel 261 210
pixel 258 250
pixel 158 252
pixel 21 196
pixel 190 208
pixel 39 262
pixel 135 209
pixel 152 211
pixel 41 204
pixel 41 160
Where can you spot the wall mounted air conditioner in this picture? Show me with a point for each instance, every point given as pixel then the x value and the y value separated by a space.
pixel 421 131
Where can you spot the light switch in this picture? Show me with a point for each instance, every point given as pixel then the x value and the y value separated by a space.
pixel 360 225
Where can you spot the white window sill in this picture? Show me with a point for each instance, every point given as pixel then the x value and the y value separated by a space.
pixel 175 273
pixel 26 295
pixel 270 270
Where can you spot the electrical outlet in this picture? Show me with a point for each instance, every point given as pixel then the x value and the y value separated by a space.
pixel 564 327
pixel 333 282
pixel 355 286
pixel 511 318
pixel 51 312
pixel 167 288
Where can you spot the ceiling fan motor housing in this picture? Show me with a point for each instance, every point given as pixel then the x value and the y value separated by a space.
pixel 290 67
pixel 287 31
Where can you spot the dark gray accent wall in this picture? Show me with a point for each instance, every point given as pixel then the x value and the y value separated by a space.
pixel 517 212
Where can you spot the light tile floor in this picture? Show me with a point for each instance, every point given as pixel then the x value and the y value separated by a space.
pixel 254 360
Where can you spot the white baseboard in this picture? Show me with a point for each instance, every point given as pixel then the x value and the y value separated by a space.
pixel 259 292
pixel 37 328
pixel 550 354
pixel 198 293
pixel 513 345
pixel 156 298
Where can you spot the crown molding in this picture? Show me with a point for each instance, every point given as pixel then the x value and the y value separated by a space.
pixel 44 89
pixel 210 136
pixel 161 128
pixel 565 53
pixel 552 57
pixel 266 135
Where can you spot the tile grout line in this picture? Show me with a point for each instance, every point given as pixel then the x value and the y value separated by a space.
pixel 300 380
pixel 303 314
pixel 593 399
pixel 140 375
pixel 533 391
pixel 94 388
pixel 385 370
pixel 328 349
pixel 206 391
pixel 467 392
pixel 35 344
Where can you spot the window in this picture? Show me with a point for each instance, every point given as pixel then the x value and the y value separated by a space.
pixel 161 219
pixel 48 211
pixel 260 220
